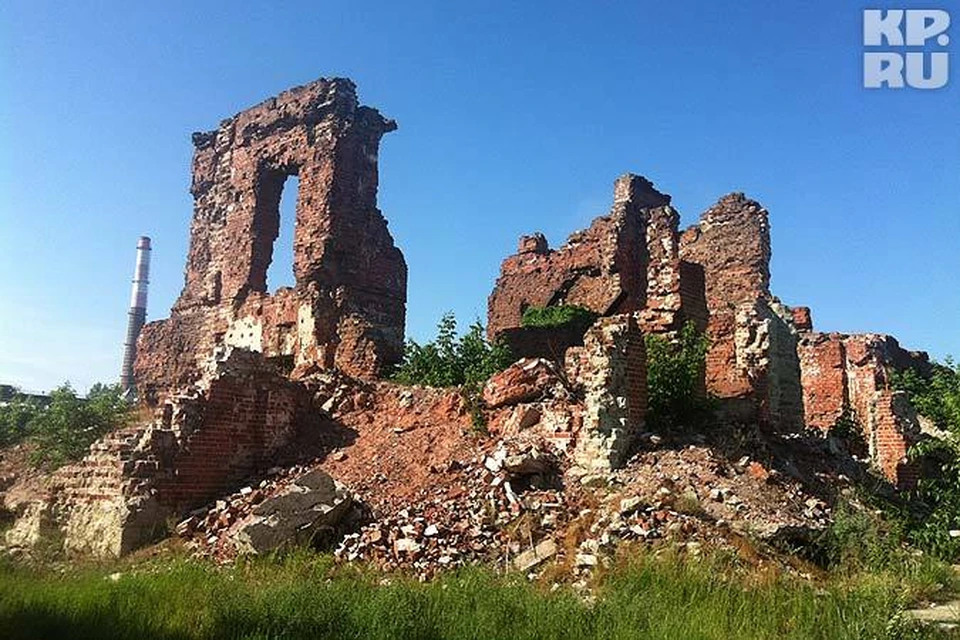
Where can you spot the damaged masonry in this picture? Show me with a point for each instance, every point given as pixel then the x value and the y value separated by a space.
pixel 272 422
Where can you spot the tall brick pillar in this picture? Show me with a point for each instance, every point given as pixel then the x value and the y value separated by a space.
pixel 612 371
pixel 348 305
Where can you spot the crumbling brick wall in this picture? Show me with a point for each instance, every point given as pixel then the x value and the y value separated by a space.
pixel 675 288
pixel 626 262
pixel 602 268
pixel 848 377
pixel 824 379
pixel 204 442
pixel 347 307
pixel 693 297
pixel 893 429
pixel 716 274
pixel 246 415
pixel 783 401
pixel 752 364
pixel 611 368
pixel 732 245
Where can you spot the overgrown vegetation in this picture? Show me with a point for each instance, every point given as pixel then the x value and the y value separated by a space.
pixel 862 543
pixel 932 519
pixel 306 596
pixel 449 360
pixel 558 315
pixel 937 397
pixel 675 369
pixel 861 539
pixel 62 428
pixel 16 415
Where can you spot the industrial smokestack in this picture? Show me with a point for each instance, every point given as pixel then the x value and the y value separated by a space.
pixel 138 312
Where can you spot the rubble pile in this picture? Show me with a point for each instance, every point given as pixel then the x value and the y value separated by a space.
pixel 744 495
pixel 208 530
pixel 519 505
pixel 479 516
pixel 501 501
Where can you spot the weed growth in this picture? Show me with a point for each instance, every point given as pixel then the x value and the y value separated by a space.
pixel 558 315
pixel 675 370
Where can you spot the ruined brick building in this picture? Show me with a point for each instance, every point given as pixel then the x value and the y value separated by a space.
pixel 347 307
pixel 236 374
pixel 765 363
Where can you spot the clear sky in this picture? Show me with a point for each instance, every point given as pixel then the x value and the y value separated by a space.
pixel 513 117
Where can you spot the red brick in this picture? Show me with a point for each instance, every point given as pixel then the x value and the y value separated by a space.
pixel 347 307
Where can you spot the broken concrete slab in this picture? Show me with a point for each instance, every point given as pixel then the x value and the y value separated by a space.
pixel 530 558
pixel 311 504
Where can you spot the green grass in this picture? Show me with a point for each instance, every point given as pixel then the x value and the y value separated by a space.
pixel 305 596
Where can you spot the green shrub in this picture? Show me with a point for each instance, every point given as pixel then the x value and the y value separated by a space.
pixel 936 397
pixel 934 508
pixel 675 370
pixel 68 425
pixel 16 415
pixel 858 540
pixel 556 316
pixel 863 540
pixel 448 360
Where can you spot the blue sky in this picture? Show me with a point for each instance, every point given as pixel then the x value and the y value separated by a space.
pixel 514 117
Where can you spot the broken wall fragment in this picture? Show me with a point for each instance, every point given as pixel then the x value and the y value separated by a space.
pixel 347 308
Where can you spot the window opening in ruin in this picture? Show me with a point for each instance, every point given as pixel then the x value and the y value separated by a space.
pixel 280 271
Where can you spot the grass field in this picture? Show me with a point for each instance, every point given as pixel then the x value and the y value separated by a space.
pixel 304 595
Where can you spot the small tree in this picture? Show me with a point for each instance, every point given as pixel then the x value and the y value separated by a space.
pixel 935 506
pixel 449 361
pixel 16 416
pixel 64 430
pixel 936 397
pixel 675 370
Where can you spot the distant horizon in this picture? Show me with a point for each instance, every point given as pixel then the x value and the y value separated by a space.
pixel 511 119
